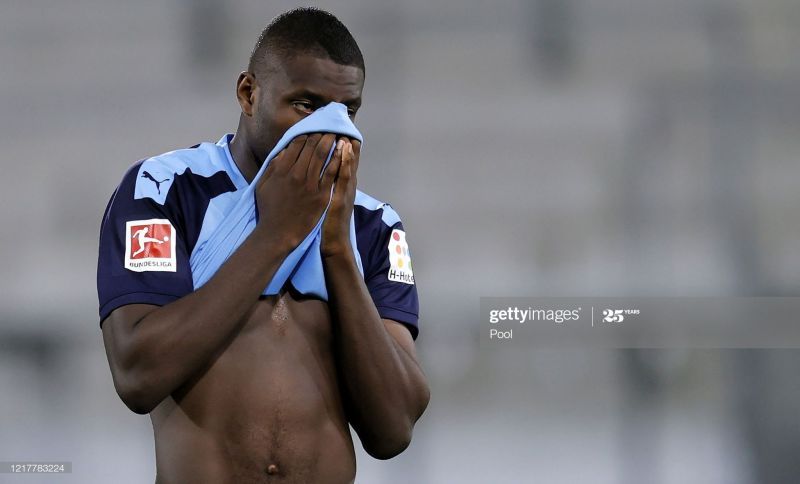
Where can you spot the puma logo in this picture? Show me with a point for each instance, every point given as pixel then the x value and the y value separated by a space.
pixel 158 183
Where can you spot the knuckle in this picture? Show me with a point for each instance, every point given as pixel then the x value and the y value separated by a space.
pixel 295 146
pixel 298 177
pixel 321 151
pixel 312 184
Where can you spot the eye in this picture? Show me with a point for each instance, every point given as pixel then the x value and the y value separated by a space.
pixel 351 112
pixel 304 106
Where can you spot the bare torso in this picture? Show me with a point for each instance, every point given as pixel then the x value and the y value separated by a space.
pixel 267 409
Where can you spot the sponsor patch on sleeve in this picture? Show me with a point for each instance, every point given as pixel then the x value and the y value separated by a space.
pixel 150 245
pixel 399 258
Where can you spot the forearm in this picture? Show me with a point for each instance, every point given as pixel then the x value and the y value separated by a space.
pixel 171 343
pixel 390 386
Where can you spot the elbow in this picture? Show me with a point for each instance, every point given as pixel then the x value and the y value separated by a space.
pixel 137 402
pixel 424 400
pixel 396 437
pixel 136 394
pixel 389 444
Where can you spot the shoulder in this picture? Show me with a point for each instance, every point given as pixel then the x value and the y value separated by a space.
pixel 370 211
pixel 177 185
pixel 379 231
pixel 155 177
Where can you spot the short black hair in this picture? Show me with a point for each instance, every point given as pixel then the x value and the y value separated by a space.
pixel 306 30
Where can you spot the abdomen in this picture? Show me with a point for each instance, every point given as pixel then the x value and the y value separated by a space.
pixel 270 397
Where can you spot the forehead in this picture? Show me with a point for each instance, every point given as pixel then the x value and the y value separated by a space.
pixel 320 75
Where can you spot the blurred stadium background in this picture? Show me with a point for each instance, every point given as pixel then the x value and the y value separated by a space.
pixel 533 148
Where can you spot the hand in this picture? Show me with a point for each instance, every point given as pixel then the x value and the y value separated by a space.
pixel 336 227
pixel 291 195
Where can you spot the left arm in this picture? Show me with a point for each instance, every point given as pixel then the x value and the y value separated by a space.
pixel 384 385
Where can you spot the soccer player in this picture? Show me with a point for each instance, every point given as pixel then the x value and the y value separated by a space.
pixel 242 387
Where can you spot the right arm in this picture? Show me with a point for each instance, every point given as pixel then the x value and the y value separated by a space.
pixel 152 350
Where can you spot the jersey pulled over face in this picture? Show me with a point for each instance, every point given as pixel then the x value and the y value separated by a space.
pixel 156 216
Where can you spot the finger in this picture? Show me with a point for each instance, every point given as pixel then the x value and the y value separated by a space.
pixel 300 166
pixel 344 189
pixel 353 171
pixel 271 168
pixel 284 160
pixel 357 152
pixel 274 164
pixel 343 177
pixel 332 169
pixel 319 158
pixel 348 156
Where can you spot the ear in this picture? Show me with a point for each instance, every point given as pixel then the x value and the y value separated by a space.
pixel 246 92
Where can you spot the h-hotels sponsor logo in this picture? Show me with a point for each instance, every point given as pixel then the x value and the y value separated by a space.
pixel 150 245
pixel 399 258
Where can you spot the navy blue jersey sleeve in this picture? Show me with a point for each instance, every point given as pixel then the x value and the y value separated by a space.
pixel 388 273
pixel 143 255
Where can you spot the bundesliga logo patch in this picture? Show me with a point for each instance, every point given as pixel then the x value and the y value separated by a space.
pixel 399 258
pixel 150 245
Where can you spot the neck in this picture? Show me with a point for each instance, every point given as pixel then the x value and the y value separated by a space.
pixel 243 156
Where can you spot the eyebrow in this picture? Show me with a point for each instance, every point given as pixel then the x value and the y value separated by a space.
pixel 318 98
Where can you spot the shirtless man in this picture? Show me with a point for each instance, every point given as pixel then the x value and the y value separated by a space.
pixel 244 388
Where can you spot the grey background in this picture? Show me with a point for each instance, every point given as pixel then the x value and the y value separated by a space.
pixel 533 148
